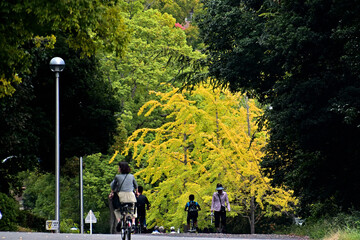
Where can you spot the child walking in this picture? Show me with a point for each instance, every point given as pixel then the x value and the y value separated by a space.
pixel 192 207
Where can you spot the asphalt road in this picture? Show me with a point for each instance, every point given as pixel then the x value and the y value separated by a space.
pixel 187 236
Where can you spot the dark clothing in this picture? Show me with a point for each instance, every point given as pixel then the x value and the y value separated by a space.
pixel 219 200
pixel 192 208
pixel 142 204
pixel 218 216
pixel 193 216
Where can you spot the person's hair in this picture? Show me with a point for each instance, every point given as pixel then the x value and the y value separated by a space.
pixel 140 189
pixel 191 197
pixel 124 167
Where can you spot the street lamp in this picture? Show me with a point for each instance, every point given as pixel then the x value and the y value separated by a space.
pixel 57 65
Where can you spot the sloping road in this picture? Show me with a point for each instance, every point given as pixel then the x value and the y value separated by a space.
pixel 187 236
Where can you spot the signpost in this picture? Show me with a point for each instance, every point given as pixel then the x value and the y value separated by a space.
pixel 90 218
pixel 52 225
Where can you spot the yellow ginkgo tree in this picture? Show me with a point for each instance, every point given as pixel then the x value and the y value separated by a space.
pixel 205 141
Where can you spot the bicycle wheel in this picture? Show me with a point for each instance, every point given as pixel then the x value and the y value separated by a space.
pixel 122 232
pixel 128 230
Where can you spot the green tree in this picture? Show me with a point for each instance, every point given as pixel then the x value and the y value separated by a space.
pixel 39 196
pixel 204 142
pixel 299 58
pixel 30 36
pixel 9 209
pixel 145 65
pixel 87 25
pixel 87 120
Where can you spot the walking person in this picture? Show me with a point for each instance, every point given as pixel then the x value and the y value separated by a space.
pixel 143 204
pixel 125 186
pixel 192 207
pixel 219 200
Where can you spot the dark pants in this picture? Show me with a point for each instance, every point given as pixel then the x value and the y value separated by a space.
pixel 193 216
pixel 220 216
pixel 141 217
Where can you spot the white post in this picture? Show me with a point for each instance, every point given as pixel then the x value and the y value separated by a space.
pixel 90 222
pixel 57 155
pixel 81 198
pixel 57 65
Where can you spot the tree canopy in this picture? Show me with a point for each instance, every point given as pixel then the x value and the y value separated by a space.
pixel 32 33
pixel 298 57
pixel 88 26
pixel 144 65
pixel 205 141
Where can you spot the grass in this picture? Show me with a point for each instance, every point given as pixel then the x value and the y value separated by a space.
pixel 349 234
pixel 341 227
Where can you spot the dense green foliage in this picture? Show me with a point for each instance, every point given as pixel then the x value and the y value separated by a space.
pixel 9 209
pixel 32 33
pixel 89 26
pixel 144 66
pixel 299 57
pixel 99 99
pixel 87 107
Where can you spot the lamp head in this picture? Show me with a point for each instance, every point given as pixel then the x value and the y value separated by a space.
pixel 57 64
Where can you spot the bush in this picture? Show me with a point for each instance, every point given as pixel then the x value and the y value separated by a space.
pixel 9 208
pixel 67 224
pixel 27 219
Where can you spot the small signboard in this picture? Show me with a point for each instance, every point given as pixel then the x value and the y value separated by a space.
pixel 90 218
pixel 52 225
pixel 0 215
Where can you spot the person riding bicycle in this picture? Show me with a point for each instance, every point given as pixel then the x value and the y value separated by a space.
pixel 192 207
pixel 124 185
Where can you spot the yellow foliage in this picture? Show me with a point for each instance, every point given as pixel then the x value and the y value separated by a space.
pixel 6 87
pixel 205 141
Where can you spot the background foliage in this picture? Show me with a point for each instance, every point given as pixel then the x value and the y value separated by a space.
pixel 297 57
pixel 204 142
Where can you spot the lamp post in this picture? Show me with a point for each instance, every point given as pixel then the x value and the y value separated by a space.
pixel 57 65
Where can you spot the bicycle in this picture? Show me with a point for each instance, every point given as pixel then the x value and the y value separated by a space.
pixel 139 227
pixel 125 221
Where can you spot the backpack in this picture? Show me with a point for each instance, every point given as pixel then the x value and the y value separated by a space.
pixel 192 206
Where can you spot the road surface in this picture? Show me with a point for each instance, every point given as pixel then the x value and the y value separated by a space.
pixel 184 236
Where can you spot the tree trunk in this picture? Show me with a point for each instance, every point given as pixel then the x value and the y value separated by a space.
pixel 252 215
pixel 252 201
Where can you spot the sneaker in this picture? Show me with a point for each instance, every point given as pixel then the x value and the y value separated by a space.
pixel 118 227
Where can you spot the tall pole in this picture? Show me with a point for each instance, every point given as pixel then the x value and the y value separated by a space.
pixel 81 198
pixel 57 157
pixel 57 65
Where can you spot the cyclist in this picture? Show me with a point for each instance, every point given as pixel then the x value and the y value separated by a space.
pixel 124 185
pixel 192 207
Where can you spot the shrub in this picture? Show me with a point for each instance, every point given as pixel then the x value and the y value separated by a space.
pixel 27 219
pixel 10 210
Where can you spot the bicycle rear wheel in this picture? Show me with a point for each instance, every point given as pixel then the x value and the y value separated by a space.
pixel 123 230
pixel 128 230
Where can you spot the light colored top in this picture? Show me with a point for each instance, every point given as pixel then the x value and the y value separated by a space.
pixel 129 185
pixel 215 204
